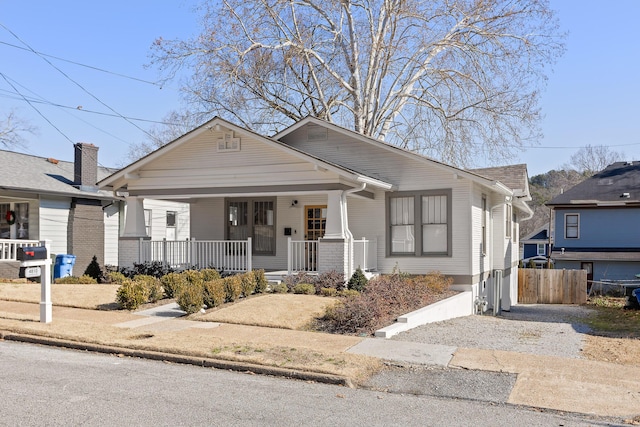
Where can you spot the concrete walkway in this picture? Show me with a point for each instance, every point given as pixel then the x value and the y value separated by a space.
pixel 572 385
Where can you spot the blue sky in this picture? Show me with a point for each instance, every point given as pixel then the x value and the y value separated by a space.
pixel 591 96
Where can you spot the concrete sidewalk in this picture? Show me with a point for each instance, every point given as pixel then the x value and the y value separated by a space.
pixel 572 385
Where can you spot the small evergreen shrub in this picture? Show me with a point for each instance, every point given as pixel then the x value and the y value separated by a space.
pixel 209 274
pixel 248 281
pixel 193 277
pixel 261 281
pixel 358 281
pixel 73 280
pixel 94 270
pixel 348 293
pixel 280 288
pixel 190 298
pixel 154 268
pixel 301 277
pixel 328 292
pixel 172 283
pixel 115 277
pixel 232 287
pixel 304 288
pixel 531 264
pixel 153 286
pixel 131 295
pixel 214 293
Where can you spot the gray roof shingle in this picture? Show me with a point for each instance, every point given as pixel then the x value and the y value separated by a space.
pixel 33 174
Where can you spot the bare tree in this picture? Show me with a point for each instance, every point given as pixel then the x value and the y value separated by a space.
pixel 590 160
pixel 12 130
pixel 175 124
pixel 454 79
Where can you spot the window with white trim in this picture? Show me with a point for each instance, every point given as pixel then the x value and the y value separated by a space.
pixel 483 221
pixel 255 218
pixel 571 226
pixel 147 222
pixel 508 224
pixel 541 249
pixel 419 223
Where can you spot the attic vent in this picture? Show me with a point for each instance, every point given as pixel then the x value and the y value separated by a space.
pixel 625 195
pixel 316 133
pixel 228 143
pixel 52 160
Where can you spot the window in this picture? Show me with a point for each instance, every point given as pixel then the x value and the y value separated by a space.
pixel 172 220
pixel 483 221
pixel 147 222
pixel 419 223
pixel 5 228
pixel 571 226
pixel 20 227
pixel 541 249
pixel 508 223
pixel 255 218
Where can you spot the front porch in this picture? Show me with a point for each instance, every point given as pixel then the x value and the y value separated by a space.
pixel 310 256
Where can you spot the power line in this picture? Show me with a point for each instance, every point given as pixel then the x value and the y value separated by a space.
pixel 84 65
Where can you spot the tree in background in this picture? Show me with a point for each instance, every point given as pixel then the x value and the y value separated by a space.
pixel 458 80
pixel 12 129
pixel 590 160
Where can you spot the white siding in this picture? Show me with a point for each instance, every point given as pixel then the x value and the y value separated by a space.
pixel 54 220
pixel 111 233
pixel 159 210
pixel 198 164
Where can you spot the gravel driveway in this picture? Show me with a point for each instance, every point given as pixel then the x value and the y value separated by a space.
pixel 550 330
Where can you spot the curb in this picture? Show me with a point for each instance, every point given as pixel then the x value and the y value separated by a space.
pixel 185 360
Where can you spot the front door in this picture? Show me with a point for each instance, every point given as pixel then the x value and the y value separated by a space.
pixel 315 223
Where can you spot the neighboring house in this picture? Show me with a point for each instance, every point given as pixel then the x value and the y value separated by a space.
pixel 317 197
pixel 596 224
pixel 60 201
pixel 536 247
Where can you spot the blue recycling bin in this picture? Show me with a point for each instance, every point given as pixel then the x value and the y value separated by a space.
pixel 63 266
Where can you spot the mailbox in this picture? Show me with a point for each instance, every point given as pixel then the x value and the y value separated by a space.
pixel 32 253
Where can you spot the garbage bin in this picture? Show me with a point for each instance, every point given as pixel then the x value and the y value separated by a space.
pixel 63 266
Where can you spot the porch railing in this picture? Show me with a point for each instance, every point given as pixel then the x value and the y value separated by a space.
pixel 9 248
pixel 302 256
pixel 227 255
pixel 365 254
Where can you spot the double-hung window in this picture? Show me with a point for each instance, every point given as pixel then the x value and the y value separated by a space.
pixel 419 223
pixel 541 249
pixel 571 226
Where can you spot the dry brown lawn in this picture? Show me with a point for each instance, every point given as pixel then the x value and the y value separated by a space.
pixel 79 296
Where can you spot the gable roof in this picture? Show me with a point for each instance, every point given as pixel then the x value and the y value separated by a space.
pixel 539 234
pixel 617 185
pixel 41 175
pixel 118 179
pixel 486 181
pixel 513 176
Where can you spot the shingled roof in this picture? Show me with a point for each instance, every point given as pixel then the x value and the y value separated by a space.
pixel 618 184
pixel 40 175
pixel 513 176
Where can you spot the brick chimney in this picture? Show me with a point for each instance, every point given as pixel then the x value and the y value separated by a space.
pixel 86 166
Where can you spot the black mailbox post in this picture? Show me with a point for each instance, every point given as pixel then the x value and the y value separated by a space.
pixel 31 253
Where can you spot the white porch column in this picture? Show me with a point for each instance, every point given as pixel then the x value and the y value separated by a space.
pixel 334 228
pixel 134 218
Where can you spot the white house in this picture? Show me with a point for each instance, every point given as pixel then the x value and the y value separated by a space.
pixel 317 197
pixel 50 199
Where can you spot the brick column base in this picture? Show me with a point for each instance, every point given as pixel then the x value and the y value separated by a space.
pixel 333 255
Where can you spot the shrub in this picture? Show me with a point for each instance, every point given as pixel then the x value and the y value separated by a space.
pixel 232 287
pixel 301 277
pixel 209 274
pixel 193 277
pixel 94 270
pixel 172 283
pixel 358 281
pixel 383 300
pixel 531 264
pixel 154 268
pixel 190 298
pixel 261 281
pixel 73 280
pixel 152 285
pixel 330 279
pixel 214 293
pixel 248 283
pixel 348 293
pixel 115 277
pixel 280 288
pixel 328 292
pixel 131 295
pixel 304 288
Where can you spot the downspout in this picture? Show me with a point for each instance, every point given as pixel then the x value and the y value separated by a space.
pixel 345 223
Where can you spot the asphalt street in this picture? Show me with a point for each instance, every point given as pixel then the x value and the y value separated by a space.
pixel 49 386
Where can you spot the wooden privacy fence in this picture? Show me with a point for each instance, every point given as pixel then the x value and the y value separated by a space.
pixel 548 286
